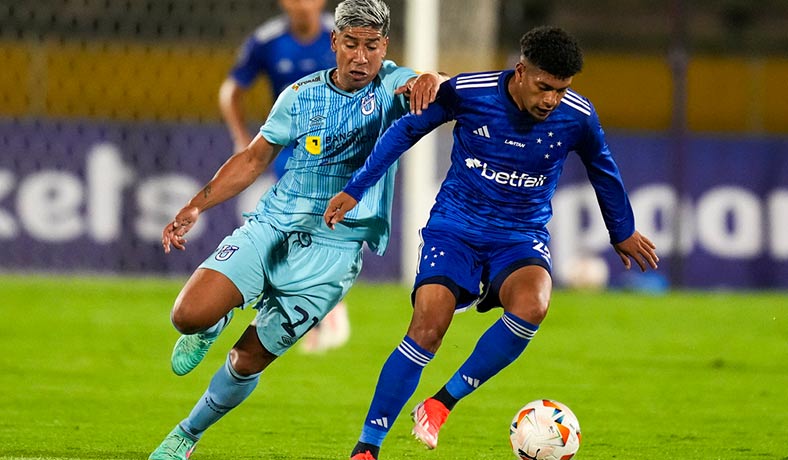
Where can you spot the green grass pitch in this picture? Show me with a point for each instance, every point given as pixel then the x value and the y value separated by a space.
pixel 84 374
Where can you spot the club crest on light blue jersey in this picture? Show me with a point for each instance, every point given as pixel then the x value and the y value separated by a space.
pixel 368 104
pixel 225 252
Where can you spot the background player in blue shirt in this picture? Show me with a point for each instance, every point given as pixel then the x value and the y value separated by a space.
pixel 284 255
pixel 285 49
pixel 486 241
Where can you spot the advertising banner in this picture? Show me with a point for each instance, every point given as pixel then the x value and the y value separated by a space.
pixel 93 197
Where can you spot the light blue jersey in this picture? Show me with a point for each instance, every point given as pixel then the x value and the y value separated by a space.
pixel 332 132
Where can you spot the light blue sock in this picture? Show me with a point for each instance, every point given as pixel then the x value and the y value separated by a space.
pixel 501 344
pixel 397 382
pixel 226 391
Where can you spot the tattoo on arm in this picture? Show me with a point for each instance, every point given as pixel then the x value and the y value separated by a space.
pixel 206 191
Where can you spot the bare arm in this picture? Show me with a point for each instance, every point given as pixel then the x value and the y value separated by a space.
pixel 231 96
pixel 235 175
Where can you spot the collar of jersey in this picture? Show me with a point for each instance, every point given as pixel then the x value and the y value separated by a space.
pixel 503 84
pixel 332 85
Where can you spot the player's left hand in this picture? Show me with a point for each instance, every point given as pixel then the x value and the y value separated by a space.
pixel 337 207
pixel 640 249
pixel 421 90
pixel 173 234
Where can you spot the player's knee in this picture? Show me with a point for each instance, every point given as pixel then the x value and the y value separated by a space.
pixel 184 321
pixel 427 336
pixel 531 308
pixel 248 363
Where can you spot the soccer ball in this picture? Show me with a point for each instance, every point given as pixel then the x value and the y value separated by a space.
pixel 587 273
pixel 544 430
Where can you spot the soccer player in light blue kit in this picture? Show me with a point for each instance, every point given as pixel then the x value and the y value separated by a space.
pixel 285 49
pixel 283 254
pixel 514 130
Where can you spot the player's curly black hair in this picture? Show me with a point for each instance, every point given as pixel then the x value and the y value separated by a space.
pixel 553 50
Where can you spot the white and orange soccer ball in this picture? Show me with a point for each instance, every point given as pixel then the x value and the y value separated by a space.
pixel 544 430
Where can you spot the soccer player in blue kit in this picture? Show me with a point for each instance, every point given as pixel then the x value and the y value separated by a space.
pixel 285 49
pixel 284 254
pixel 486 241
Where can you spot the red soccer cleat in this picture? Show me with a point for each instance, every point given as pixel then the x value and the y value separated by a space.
pixel 429 416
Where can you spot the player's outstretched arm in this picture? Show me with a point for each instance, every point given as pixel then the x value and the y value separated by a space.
pixel 235 175
pixel 640 249
pixel 422 90
pixel 337 207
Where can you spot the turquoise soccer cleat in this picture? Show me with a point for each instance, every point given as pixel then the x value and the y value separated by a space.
pixel 190 349
pixel 176 446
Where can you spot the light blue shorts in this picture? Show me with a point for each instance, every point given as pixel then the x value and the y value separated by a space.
pixel 293 279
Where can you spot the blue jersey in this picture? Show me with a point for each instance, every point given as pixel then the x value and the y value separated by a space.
pixel 331 133
pixel 274 51
pixel 505 165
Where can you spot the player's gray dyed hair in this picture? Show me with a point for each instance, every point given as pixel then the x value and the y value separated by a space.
pixel 363 13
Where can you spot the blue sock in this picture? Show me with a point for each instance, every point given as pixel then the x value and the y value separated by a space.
pixel 397 382
pixel 226 391
pixel 501 344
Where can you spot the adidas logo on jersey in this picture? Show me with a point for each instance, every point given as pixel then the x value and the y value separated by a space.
pixel 513 179
pixel 482 132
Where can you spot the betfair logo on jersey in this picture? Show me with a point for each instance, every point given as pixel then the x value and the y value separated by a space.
pixel 512 179
pixel 313 145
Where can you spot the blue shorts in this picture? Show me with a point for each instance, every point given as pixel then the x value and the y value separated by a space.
pixel 473 269
pixel 293 279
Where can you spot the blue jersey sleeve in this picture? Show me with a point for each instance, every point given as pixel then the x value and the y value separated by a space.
pixel 248 66
pixel 605 177
pixel 398 138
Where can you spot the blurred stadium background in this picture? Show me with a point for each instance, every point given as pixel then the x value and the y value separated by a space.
pixel 109 122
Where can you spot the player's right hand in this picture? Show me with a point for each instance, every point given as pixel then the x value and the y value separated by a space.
pixel 337 207
pixel 174 232
pixel 638 248
pixel 421 91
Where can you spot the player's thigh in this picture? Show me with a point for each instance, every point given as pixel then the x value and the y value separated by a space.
pixel 303 287
pixel 205 298
pixel 520 278
pixel 232 276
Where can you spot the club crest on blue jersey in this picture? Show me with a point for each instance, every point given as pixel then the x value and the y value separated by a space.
pixel 551 145
pixel 368 104
pixel 225 252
